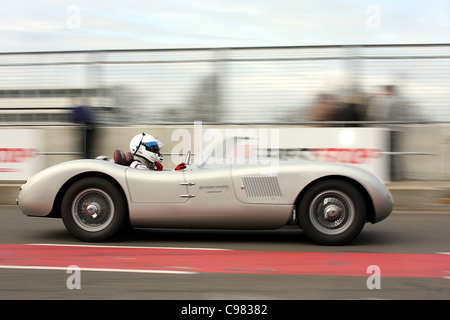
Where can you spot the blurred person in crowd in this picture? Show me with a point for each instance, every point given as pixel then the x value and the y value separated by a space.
pixel 324 108
pixel 387 107
pixel 83 115
pixel 351 110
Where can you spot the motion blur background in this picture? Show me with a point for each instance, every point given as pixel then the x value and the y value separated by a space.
pixel 92 75
pixel 231 85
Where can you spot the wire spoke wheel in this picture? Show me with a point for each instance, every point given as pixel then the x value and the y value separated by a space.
pixel 332 212
pixel 93 209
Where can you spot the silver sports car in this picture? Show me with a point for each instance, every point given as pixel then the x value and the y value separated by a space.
pixel 330 202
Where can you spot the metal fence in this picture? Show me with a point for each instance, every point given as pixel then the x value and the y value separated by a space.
pixel 221 85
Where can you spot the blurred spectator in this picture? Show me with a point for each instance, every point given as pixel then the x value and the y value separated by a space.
pixel 84 116
pixel 325 107
pixel 388 107
pixel 352 109
pixel 328 108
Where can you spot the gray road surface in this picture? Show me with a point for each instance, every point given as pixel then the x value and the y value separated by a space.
pixel 401 233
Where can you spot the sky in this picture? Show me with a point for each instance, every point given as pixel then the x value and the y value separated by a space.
pixel 60 25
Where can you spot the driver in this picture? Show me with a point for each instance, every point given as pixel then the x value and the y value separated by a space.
pixel 145 149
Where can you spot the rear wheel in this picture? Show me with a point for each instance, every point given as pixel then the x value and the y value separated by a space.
pixel 332 212
pixel 93 209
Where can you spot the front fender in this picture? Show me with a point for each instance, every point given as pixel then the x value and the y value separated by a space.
pixel 381 199
pixel 37 196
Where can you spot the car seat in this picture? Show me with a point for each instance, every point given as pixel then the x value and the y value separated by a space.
pixel 122 158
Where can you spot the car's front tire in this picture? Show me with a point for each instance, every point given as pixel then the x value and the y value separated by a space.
pixel 332 212
pixel 93 209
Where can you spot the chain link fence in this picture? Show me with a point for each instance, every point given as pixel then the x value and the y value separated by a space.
pixel 223 85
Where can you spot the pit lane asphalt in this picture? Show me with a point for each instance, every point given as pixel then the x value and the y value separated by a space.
pixel 400 233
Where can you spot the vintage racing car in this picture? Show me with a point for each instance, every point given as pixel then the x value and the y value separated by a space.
pixel 330 202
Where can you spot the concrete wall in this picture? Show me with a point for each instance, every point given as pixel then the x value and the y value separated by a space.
pixel 432 140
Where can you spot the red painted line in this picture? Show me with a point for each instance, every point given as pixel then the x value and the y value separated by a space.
pixel 225 261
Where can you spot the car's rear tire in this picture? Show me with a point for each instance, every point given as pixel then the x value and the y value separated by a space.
pixel 93 209
pixel 332 212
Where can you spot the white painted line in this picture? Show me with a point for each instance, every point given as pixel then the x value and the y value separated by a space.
pixel 129 247
pixel 96 269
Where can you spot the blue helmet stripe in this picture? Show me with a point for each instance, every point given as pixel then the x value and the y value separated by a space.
pixel 151 143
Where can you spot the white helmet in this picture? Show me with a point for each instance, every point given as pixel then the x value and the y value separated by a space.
pixel 146 146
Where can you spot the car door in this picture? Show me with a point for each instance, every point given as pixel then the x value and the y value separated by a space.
pixel 149 186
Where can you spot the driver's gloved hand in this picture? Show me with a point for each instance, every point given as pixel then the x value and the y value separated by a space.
pixel 158 166
pixel 181 166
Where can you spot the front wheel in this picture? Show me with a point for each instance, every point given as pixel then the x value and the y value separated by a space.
pixel 332 212
pixel 93 209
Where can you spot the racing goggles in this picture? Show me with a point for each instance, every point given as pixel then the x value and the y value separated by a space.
pixel 152 146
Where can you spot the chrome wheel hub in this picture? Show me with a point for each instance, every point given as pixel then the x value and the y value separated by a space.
pixel 92 210
pixel 332 212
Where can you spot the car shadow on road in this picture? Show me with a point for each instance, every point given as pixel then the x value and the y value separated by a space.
pixel 285 239
pixel 212 235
